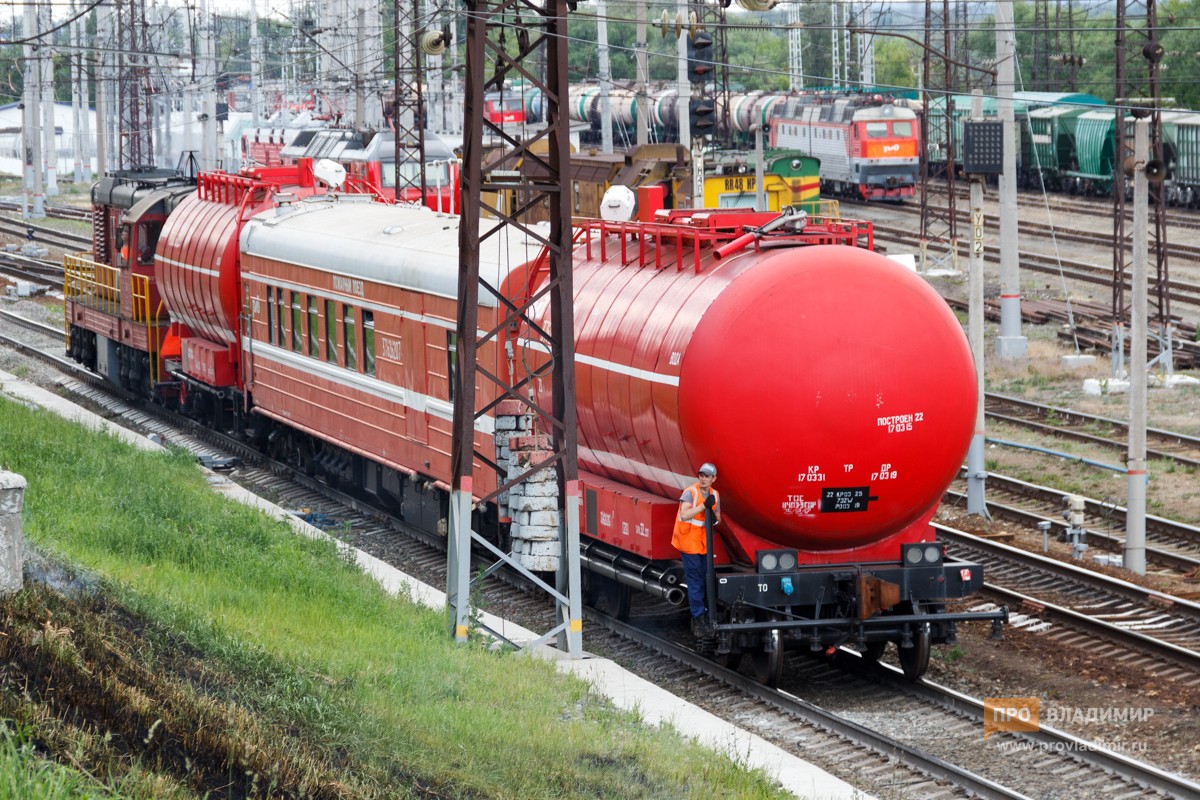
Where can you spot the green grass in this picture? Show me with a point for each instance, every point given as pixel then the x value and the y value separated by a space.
pixel 366 687
pixel 24 775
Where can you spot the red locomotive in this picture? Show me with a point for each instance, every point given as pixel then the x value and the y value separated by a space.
pixel 834 389
pixel 869 145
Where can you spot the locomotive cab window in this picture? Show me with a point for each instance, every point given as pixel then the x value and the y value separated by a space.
pixel 877 130
pixel 351 337
pixel 368 339
pixel 902 128
pixel 147 241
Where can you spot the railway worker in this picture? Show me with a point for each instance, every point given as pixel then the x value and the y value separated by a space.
pixel 689 540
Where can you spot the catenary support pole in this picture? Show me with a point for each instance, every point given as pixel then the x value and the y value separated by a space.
pixel 606 133
pixel 76 113
pixel 49 111
pixel 642 101
pixel 976 472
pixel 31 120
pixel 1010 343
pixel 682 84
pixel 1135 512
pixel 760 194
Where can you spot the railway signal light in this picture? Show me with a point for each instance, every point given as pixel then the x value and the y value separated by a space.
pixel 702 116
pixel 699 63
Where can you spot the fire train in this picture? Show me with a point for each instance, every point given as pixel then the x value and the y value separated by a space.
pixel 869 144
pixel 834 389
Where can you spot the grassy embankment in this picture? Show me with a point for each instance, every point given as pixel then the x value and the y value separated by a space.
pixel 207 651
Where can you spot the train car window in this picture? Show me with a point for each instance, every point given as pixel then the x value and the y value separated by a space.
pixel 271 314
pixel 902 128
pixel 452 361
pixel 313 328
pixel 330 332
pixel 281 339
pixel 351 337
pixel 297 324
pixel 877 130
pixel 368 340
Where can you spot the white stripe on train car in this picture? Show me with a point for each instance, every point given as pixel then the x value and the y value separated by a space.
pixel 365 383
pixel 611 366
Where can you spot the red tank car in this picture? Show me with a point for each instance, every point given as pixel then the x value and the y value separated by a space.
pixel 834 389
pixel 199 275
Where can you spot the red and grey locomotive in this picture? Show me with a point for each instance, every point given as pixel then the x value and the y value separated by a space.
pixel 834 389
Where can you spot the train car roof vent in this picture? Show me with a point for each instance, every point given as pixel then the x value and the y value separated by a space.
pixel 330 172
pixel 619 204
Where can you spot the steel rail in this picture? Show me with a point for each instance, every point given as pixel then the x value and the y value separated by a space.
pixel 933 766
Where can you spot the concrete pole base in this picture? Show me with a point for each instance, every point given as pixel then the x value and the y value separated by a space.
pixel 1012 346
pixel 12 542
pixel 1076 362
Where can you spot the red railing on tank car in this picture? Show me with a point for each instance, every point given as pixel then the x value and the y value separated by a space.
pixel 704 228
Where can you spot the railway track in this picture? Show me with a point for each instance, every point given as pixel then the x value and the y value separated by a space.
pixel 1170 544
pixel 54 210
pixel 1111 434
pixel 1060 233
pixel 42 273
pixel 71 242
pixel 1037 201
pixel 1161 630
pixel 857 719
pixel 844 738
pixel 1185 292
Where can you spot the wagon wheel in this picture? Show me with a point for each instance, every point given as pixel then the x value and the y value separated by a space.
pixel 915 660
pixel 729 660
pixel 591 585
pixel 620 599
pixel 873 651
pixel 768 663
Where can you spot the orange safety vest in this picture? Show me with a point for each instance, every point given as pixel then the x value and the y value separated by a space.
pixel 689 533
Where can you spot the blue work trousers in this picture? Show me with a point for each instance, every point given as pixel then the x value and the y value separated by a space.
pixel 693 573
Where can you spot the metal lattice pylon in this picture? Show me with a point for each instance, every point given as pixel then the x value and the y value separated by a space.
pixel 408 110
pixel 1138 96
pixel 509 39
pixel 935 223
pixel 135 139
